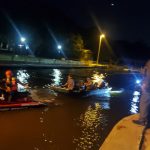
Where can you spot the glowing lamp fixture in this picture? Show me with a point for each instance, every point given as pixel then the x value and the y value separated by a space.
pixel 59 47
pixel 23 39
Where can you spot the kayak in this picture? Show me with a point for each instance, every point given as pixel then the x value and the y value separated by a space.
pixel 20 104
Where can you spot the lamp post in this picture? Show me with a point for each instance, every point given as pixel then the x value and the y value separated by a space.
pixel 100 42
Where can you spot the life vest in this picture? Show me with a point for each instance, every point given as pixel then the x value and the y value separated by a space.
pixel 11 84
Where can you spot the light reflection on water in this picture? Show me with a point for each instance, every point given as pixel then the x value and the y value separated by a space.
pixel 23 76
pixel 90 117
pixel 90 121
pixel 57 77
pixel 135 102
pixel 45 137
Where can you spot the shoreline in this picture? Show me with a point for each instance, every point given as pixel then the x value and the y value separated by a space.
pixel 18 61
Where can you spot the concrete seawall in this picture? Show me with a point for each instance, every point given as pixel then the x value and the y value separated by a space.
pixel 30 61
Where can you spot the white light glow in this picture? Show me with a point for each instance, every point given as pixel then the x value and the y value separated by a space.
pixel 23 77
pixel 138 81
pixel 57 77
pixel 23 39
pixel 59 47
pixel 135 102
pixel 20 45
pixel 98 78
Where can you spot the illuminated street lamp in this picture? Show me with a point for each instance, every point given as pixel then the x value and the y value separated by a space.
pixel 59 47
pixel 23 39
pixel 23 46
pixel 100 42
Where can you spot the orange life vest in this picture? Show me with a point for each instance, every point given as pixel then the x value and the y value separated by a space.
pixel 11 84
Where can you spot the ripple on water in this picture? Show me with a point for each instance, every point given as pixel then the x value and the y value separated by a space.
pixel 90 122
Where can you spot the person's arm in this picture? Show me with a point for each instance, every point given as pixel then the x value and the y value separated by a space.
pixel 66 84
pixel 23 84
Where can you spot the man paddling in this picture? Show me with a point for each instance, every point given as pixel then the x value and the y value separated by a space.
pixel 70 83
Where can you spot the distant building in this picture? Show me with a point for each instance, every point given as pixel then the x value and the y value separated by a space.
pixel 14 48
pixel 5 47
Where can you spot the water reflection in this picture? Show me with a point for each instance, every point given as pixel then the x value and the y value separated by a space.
pixel 90 121
pixel 53 128
pixel 135 102
pixel 44 134
pixel 57 77
pixel 23 77
pixel 105 105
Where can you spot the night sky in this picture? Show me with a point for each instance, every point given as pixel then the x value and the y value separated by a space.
pixel 119 19
pixel 128 19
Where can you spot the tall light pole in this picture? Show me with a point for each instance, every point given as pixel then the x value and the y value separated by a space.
pixel 100 42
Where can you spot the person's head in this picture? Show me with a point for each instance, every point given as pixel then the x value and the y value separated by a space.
pixel 88 79
pixel 81 82
pixel 8 73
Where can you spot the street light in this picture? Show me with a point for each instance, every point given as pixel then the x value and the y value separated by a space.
pixel 23 39
pixel 59 47
pixel 100 42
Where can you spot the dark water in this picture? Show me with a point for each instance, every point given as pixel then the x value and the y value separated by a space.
pixel 75 123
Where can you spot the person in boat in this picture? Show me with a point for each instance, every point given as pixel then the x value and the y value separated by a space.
pixel 80 86
pixel 70 84
pixel 88 84
pixel 145 97
pixel 10 88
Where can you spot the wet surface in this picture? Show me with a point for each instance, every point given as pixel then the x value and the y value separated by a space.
pixel 72 123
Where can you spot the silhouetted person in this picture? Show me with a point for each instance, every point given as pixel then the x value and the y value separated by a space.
pixel 145 96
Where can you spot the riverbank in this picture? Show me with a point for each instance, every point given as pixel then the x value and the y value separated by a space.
pixel 31 61
pixel 126 135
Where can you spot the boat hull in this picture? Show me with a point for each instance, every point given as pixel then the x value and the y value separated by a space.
pixel 20 104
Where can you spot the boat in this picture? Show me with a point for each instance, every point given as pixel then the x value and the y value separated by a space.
pixel 59 89
pixel 126 136
pixel 21 103
pixel 101 91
